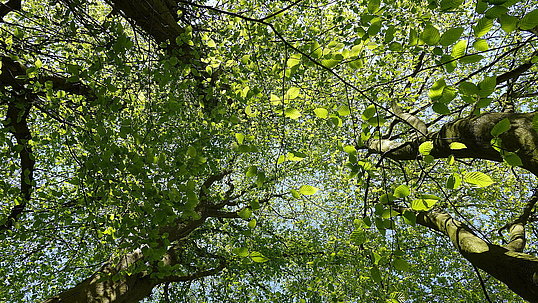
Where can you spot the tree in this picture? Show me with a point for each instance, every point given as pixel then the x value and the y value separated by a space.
pixel 268 150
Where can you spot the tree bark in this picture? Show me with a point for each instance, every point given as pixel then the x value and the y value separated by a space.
pixel 474 132
pixel 519 271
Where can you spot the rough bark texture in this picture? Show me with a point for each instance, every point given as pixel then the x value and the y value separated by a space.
pixel 474 132
pixel 517 270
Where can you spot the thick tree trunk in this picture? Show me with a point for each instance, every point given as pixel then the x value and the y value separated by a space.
pixel 517 270
pixel 100 287
pixel 474 132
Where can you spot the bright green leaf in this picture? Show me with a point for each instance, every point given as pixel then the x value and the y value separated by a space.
pixel 343 110
pixel 459 49
pixel 425 148
pixel 258 257
pixel 481 45
pixel 321 113
pixel 292 113
pixel 401 191
pixel 482 27
pixel 478 179
pixel 308 190
pixel 457 145
pixel 500 127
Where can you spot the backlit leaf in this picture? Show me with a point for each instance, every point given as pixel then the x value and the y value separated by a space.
pixel 401 191
pixel 457 145
pixel 459 49
pixel 478 179
pixel 308 190
pixel 453 181
pixel 321 113
pixel 258 257
pixel 529 21
pixel 451 36
pixel 482 27
pixel 425 148
pixel 430 35
pixel 500 127
pixel 292 113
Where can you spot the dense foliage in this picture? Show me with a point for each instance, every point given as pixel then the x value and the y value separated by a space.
pixel 281 151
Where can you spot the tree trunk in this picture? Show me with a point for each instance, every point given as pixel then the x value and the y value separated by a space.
pixel 517 270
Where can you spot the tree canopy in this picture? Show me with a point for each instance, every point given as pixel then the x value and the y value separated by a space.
pixel 268 151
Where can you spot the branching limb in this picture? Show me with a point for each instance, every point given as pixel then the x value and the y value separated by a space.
pixel 17 124
pixel 516 228
pixel 11 5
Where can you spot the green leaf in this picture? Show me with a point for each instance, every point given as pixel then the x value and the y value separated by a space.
pixel 450 160
pixel 375 274
pixel 245 213
pixel 350 149
pixel 330 63
pixel 500 128
pixel 258 257
pixel 436 91
pixel 240 138
pixel 358 236
pixel 508 23
pixel 252 224
pixel 453 181
pixel 292 93
pixel 250 111
pixel 425 148
pixel 295 194
pixel 478 179
pixel 468 88
pixel 400 264
pixel 451 36
pixel 377 121
pixel 401 191
pixel 496 144
pixel 482 27
pixel 241 251
pixel 386 198
pixel 496 12
pixel 368 113
pixel 481 45
pixel 457 145
pixel 430 35
pixel 252 171
pixel 423 204
pixel 428 158
pixel 487 86
pixel 211 43
pixel 293 60
pixel 343 110
pixel 459 49
pixel 275 100
pixel 529 21
pixel 441 108
pixel 471 59
pixel 308 190
pixel 512 159
pixel 373 6
pixel 389 213
pixel 292 113
pixel 321 113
